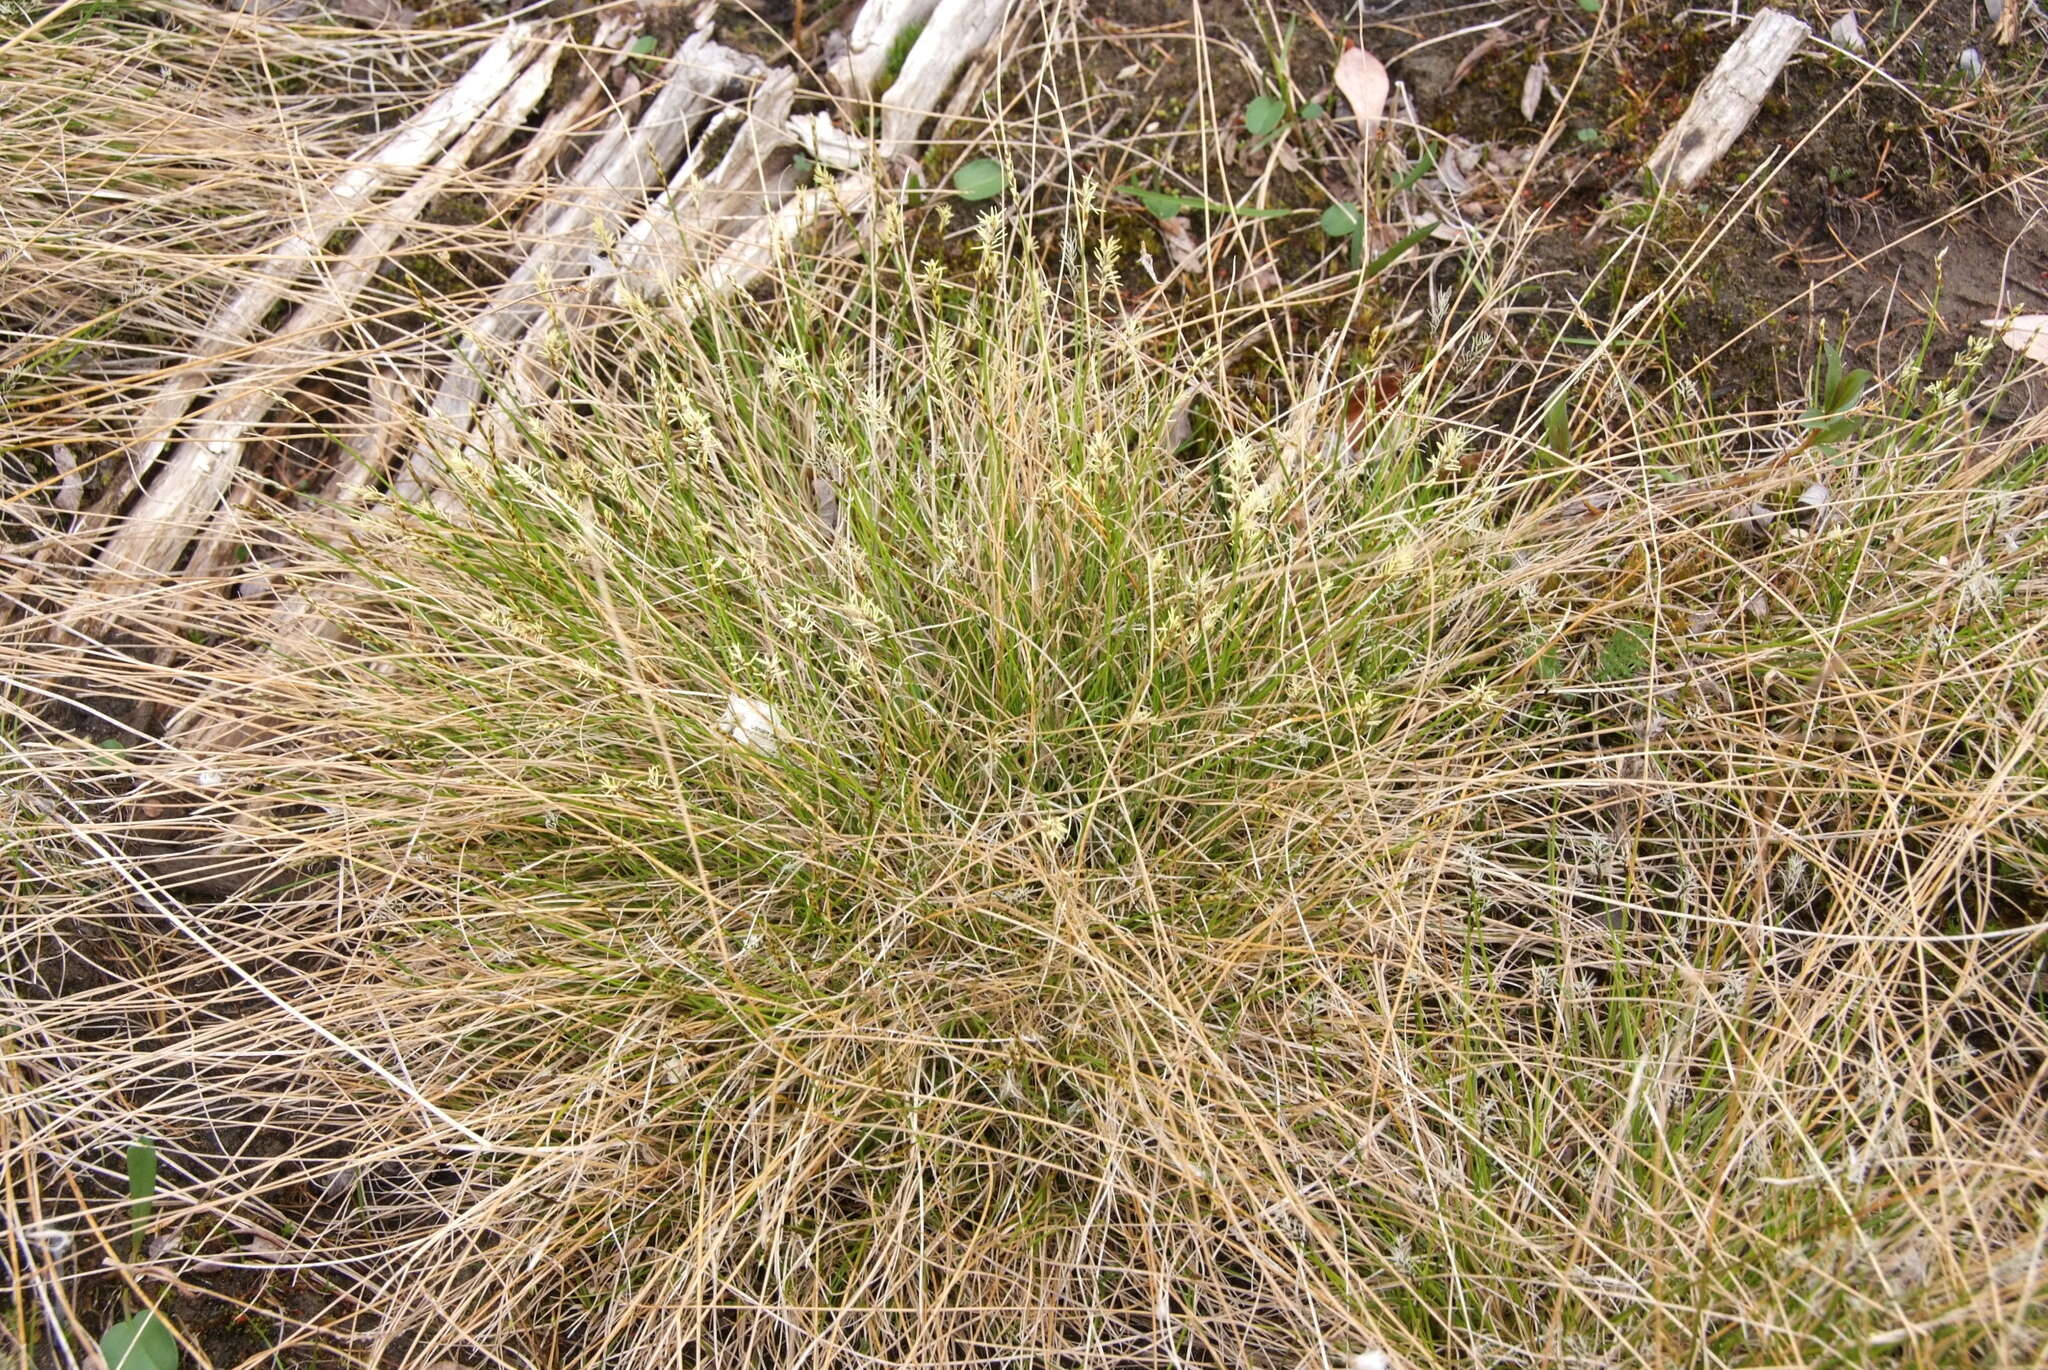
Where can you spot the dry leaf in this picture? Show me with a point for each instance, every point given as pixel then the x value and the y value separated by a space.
pixel 2026 334
pixel 1532 88
pixel 1180 243
pixel 1485 48
pixel 1363 82
pixel 1819 502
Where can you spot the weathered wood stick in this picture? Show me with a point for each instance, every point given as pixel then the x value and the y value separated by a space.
pixel 567 119
pixel 681 231
pixel 756 250
pixel 414 144
pixel 1727 100
pixel 189 486
pixel 612 178
pixel 873 35
pixel 955 35
pixel 700 213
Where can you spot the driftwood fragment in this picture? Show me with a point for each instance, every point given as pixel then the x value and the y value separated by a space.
pixel 413 145
pixel 604 196
pixel 1727 100
pixel 185 492
pixel 875 32
pixel 954 35
pixel 702 212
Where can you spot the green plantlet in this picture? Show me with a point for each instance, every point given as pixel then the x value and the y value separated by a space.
pixel 980 179
pixel 1164 204
pixel 1423 166
pixel 1557 430
pixel 1341 221
pixel 141 1182
pixel 1263 116
pixel 1624 655
pixel 140 1341
pixel 1837 392
pixel 1399 249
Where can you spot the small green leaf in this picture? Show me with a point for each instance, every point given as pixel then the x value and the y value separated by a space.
pixel 1264 114
pixel 642 46
pixel 1557 429
pixel 1165 205
pixel 980 179
pixel 1848 391
pixel 141 1180
pixel 1340 221
pixel 1589 135
pixel 141 1342
pixel 1399 248
pixel 1415 173
pixel 1590 6
pixel 1311 111
pixel 1159 204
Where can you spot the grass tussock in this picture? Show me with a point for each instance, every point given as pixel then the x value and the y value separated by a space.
pixel 940 817
pixel 877 840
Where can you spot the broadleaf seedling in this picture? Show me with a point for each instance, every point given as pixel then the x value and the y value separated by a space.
pixel 141 1341
pixel 1837 392
pixel 980 179
pixel 1264 115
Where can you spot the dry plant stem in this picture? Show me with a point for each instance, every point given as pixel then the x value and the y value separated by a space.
pixel 955 35
pixel 1725 103
pixel 201 467
pixel 416 143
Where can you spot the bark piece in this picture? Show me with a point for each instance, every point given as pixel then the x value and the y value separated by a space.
pixel 955 35
pixel 1725 103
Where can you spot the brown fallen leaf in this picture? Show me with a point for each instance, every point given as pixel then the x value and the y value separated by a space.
pixel 1180 242
pixel 1483 49
pixel 1363 82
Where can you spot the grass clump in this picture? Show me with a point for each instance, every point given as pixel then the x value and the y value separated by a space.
pixel 860 843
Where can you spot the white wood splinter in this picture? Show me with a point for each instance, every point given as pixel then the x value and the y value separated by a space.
pixel 957 33
pixel 201 467
pixel 152 538
pixel 1727 100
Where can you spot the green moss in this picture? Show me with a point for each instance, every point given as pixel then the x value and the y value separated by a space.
pixel 899 53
